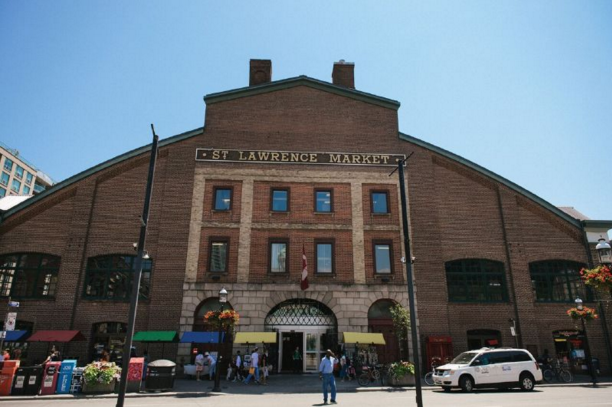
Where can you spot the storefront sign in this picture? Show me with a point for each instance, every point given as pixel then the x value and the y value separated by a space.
pixel 297 157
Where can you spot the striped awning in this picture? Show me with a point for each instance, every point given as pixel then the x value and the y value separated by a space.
pixel 364 338
pixel 255 337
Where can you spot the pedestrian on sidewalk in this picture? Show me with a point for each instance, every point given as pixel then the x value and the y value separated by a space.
pixel 264 367
pixel 297 360
pixel 326 373
pixel 238 365
pixel 212 365
pixel 254 370
pixel 199 364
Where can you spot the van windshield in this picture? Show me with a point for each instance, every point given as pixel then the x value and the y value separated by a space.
pixel 464 358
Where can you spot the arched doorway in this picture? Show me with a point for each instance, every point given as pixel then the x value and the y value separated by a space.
pixel 199 325
pixel 380 320
pixel 483 338
pixel 306 325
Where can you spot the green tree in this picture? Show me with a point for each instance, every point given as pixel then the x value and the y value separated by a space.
pixel 401 324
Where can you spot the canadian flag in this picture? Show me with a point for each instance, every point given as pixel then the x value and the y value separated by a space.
pixel 304 283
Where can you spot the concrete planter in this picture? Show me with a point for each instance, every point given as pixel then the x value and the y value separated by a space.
pixel 98 388
pixel 407 380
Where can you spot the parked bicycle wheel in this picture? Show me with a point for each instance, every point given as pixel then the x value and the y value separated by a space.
pixel 548 375
pixel 566 376
pixel 375 375
pixel 429 379
pixel 363 379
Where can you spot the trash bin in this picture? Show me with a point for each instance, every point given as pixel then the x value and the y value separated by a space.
pixel 64 379
pixel 135 369
pixel 9 368
pixel 160 375
pixel 49 381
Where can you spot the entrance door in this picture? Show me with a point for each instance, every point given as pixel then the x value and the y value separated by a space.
pixel 291 341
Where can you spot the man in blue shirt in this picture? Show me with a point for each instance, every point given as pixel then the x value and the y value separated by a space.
pixel 326 372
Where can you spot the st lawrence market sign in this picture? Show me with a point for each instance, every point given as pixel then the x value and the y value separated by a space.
pixel 296 157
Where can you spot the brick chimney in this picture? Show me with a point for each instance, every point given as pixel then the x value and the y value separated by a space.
pixel 344 74
pixel 260 72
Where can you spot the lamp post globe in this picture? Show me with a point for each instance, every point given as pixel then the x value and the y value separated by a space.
pixel 223 296
pixel 604 251
pixel 578 302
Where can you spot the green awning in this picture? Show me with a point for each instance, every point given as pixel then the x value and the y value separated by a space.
pixel 156 336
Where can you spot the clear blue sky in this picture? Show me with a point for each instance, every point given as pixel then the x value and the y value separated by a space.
pixel 523 88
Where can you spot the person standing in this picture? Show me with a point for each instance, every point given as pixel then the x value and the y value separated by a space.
pixel 238 363
pixel 297 360
pixel 254 367
pixel 264 366
pixel 212 365
pixel 326 373
pixel 199 364
pixel 343 367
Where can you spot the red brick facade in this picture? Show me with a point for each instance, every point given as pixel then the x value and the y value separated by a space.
pixel 456 212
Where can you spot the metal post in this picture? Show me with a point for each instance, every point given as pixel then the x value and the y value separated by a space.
pixel 137 274
pixel 413 326
pixel 217 386
pixel 587 354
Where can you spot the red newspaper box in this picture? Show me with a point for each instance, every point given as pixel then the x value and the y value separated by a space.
pixel 6 376
pixel 49 381
pixel 135 371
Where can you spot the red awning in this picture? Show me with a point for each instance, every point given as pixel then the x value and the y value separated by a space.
pixel 56 336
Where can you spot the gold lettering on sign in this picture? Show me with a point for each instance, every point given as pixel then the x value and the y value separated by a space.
pixel 241 156
pixel 334 158
pixel 304 158
pixel 313 158
pixel 385 159
pixel 284 157
pixel 375 159
pixel 264 155
pixel 215 155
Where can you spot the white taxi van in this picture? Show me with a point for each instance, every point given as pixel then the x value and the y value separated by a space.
pixel 501 368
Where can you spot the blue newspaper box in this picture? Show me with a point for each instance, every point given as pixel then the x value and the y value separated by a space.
pixel 64 379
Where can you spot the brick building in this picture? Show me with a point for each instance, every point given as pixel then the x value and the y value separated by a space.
pixel 286 167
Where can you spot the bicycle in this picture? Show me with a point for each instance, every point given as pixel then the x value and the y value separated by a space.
pixel 558 371
pixel 369 374
pixel 435 362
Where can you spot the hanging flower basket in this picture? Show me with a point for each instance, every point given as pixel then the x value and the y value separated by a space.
pixel 222 319
pixel 587 313
pixel 599 277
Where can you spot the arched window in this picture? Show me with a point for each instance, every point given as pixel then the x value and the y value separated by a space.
pixel 110 278
pixel 558 281
pixel 476 280
pixel 209 304
pixel 28 275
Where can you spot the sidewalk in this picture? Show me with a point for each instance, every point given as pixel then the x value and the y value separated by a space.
pixel 277 384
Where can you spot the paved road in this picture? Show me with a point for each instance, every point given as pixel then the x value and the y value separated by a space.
pixel 541 397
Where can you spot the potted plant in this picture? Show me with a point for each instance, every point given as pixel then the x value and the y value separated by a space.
pixel 401 374
pixel 599 277
pixel 587 313
pixel 100 377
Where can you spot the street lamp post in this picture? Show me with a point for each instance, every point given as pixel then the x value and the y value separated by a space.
pixel 222 301
pixel 604 251
pixel 587 349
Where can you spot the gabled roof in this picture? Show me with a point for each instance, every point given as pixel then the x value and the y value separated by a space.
pixel 490 174
pixel 301 81
pixel 102 166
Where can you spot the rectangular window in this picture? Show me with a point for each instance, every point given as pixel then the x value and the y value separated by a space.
pixel 8 165
pixel 278 257
pixel 476 280
pixel 383 258
pixel 223 199
pixel 16 186
pixel 280 200
pixel 28 275
pixel 379 202
pixel 4 178
pixel 29 178
pixel 19 172
pixel 323 201
pixel 325 258
pixel 2 192
pixel 26 190
pixel 558 281
pixel 218 258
